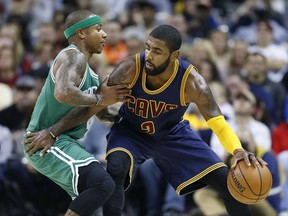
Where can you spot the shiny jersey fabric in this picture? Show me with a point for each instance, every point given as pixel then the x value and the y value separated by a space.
pixel 48 110
pixel 155 112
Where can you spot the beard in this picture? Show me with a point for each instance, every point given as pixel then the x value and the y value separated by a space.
pixel 160 69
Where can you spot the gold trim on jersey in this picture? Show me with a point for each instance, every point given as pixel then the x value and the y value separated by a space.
pixel 137 72
pixel 162 88
pixel 198 176
pixel 183 85
pixel 131 160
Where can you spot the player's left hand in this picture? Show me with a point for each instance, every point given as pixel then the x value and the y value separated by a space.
pixel 38 140
pixel 241 154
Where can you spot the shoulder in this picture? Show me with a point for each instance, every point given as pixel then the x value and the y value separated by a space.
pixel 124 72
pixel 72 55
pixel 71 58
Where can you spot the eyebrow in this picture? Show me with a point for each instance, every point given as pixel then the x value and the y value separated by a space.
pixel 154 48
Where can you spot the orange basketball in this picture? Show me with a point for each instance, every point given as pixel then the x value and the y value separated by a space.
pixel 249 184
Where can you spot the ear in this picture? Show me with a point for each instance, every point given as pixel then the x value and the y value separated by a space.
pixel 80 33
pixel 175 55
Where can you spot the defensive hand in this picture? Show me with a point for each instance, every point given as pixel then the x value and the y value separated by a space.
pixel 36 141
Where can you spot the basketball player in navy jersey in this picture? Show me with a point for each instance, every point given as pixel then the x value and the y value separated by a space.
pixel 150 125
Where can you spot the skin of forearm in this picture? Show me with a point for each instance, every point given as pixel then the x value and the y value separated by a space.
pixel 75 97
pixel 75 117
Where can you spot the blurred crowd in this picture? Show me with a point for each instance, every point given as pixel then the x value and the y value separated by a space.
pixel 240 47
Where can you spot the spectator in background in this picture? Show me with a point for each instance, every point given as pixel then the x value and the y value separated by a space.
pixel 6 147
pixel 246 27
pixel 6 96
pixel 12 31
pixel 199 18
pixel 209 71
pixel 234 84
pixel 41 12
pixel 201 49
pixel 238 56
pixel 40 75
pixel 221 96
pixel 134 38
pixel 280 147
pixel 115 49
pixel 58 21
pixel 43 55
pixel 271 93
pixel 219 40
pixel 178 21
pixel 276 55
pixel 249 10
pixel 45 32
pixel 142 13
pixel 16 117
pixel 19 13
pixel 8 74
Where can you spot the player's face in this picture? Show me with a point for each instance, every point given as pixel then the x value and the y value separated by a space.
pixel 157 56
pixel 95 37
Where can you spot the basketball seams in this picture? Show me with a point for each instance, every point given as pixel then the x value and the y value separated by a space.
pixel 242 195
pixel 249 174
pixel 244 177
pixel 263 193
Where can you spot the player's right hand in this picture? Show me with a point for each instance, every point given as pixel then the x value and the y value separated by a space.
pixel 112 94
pixel 36 141
pixel 247 157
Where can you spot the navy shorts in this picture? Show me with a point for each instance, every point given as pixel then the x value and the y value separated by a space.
pixel 181 155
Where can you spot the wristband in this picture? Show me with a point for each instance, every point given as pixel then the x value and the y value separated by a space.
pixel 51 133
pixel 225 134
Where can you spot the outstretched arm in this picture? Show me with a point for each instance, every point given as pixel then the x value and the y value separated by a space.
pixel 112 90
pixel 198 92
pixel 117 90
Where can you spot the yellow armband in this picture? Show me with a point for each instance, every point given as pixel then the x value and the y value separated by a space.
pixel 225 134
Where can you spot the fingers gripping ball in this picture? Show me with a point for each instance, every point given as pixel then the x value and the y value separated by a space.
pixel 249 184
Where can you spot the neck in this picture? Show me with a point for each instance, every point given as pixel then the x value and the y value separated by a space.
pixel 82 49
pixel 156 81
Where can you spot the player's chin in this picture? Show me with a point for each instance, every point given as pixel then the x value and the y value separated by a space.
pixel 99 50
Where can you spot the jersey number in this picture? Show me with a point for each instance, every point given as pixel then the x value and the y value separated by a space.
pixel 148 127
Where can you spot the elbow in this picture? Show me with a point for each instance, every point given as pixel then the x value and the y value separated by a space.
pixel 60 96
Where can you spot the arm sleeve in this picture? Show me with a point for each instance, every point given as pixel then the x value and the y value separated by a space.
pixel 225 134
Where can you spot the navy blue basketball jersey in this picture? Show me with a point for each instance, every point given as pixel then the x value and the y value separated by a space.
pixel 156 112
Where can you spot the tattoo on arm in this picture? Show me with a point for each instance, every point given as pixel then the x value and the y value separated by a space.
pixel 74 118
pixel 123 73
pixel 117 76
pixel 205 100
pixel 68 78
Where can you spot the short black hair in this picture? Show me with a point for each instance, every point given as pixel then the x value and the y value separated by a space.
pixel 169 34
pixel 77 16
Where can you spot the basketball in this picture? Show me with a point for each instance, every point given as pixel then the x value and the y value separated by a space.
pixel 249 184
